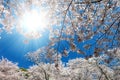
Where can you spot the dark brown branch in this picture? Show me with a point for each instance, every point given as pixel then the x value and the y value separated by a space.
pixel 63 27
pixel 116 32
pixel 105 31
pixel 46 75
pixel 88 2
pixel 102 71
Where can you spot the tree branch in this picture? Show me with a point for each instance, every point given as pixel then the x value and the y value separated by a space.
pixel 88 2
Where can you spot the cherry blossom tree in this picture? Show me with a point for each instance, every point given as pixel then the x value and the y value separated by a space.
pixel 8 70
pixel 90 24
pixel 95 68
pixel 76 22
pixel 93 25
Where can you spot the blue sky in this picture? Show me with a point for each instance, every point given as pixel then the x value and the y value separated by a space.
pixel 12 46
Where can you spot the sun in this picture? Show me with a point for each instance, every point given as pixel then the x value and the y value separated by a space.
pixel 33 22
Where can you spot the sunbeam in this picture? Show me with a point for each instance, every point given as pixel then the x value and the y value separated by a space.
pixel 33 22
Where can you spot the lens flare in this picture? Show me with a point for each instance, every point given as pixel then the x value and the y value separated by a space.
pixel 33 22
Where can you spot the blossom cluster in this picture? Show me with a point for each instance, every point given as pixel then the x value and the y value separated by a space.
pixel 95 68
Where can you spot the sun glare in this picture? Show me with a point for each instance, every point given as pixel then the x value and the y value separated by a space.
pixel 33 22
